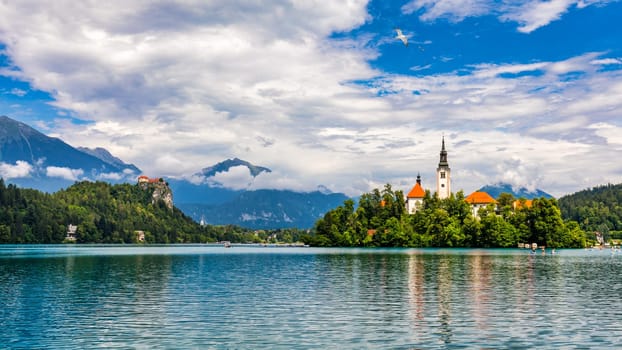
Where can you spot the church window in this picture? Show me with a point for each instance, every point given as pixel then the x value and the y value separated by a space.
pixel 442 174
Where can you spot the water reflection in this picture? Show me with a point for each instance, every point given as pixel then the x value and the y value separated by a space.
pixel 309 299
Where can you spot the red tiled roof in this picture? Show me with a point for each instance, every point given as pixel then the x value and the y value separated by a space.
pixel 416 192
pixel 519 204
pixel 478 197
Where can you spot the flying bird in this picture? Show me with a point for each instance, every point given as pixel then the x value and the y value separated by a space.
pixel 401 36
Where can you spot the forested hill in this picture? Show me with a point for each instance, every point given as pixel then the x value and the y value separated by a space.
pixel 103 213
pixel 595 209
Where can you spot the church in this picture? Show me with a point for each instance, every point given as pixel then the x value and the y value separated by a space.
pixel 414 198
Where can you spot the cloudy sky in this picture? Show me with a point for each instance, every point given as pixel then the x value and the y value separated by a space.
pixel 321 92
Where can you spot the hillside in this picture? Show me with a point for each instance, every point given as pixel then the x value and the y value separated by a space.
pixel 595 209
pixel 103 213
pixel 267 209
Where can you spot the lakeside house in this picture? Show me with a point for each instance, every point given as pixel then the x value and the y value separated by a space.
pixel 71 233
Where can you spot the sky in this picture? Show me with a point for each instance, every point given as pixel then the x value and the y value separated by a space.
pixel 323 93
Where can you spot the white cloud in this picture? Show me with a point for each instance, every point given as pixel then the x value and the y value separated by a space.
pixel 237 178
pixel 529 14
pixel 535 14
pixel 114 176
pixel 173 88
pixel 64 173
pixel 607 61
pixel 18 92
pixel 20 169
pixel 454 10
pixel 611 133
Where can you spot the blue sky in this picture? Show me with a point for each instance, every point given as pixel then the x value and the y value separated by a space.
pixel 525 92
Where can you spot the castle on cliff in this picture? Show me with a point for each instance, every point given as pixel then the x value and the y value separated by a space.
pixel 161 191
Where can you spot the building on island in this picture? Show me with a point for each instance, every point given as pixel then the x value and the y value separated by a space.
pixel 522 204
pixel 479 200
pixel 414 199
pixel 443 175
pixel 476 200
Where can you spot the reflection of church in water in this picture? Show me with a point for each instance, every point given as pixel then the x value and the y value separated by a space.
pixel 414 198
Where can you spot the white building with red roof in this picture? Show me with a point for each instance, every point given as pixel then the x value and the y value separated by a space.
pixel 478 200
pixel 414 198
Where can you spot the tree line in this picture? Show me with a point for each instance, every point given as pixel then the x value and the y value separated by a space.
pixel 381 220
pixel 106 213
pixel 597 209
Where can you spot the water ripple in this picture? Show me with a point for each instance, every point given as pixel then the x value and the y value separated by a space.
pixel 212 298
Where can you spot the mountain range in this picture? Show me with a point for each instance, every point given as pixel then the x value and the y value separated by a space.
pixel 28 158
pixel 520 192
pixel 32 159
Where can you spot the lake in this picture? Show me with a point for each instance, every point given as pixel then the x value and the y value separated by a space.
pixel 211 297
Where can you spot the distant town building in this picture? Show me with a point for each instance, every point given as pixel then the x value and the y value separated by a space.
pixel 71 232
pixel 140 236
pixel 478 200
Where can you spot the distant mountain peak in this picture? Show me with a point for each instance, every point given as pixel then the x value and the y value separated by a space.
pixel 224 166
pixel 324 190
pixel 517 191
pixel 53 164
pixel 105 156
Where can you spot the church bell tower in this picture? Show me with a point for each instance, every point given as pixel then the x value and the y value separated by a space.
pixel 443 175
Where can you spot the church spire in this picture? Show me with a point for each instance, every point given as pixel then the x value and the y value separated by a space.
pixel 443 161
pixel 443 174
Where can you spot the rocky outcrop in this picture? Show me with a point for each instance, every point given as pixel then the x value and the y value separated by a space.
pixel 161 191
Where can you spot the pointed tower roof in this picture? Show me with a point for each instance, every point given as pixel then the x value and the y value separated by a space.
pixel 417 191
pixel 443 162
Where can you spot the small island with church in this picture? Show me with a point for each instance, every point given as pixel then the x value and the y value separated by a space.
pixel 421 218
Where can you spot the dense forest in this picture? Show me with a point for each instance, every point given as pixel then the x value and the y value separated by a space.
pixel 381 220
pixel 107 213
pixel 597 209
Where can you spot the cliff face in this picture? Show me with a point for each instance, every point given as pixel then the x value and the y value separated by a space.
pixel 161 191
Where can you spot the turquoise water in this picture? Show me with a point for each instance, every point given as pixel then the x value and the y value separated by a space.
pixel 210 297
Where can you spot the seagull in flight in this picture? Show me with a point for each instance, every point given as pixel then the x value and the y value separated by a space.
pixel 401 36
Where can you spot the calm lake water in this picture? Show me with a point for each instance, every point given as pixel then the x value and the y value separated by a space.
pixel 210 297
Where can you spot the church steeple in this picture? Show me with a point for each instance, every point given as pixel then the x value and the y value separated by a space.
pixel 443 161
pixel 443 179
